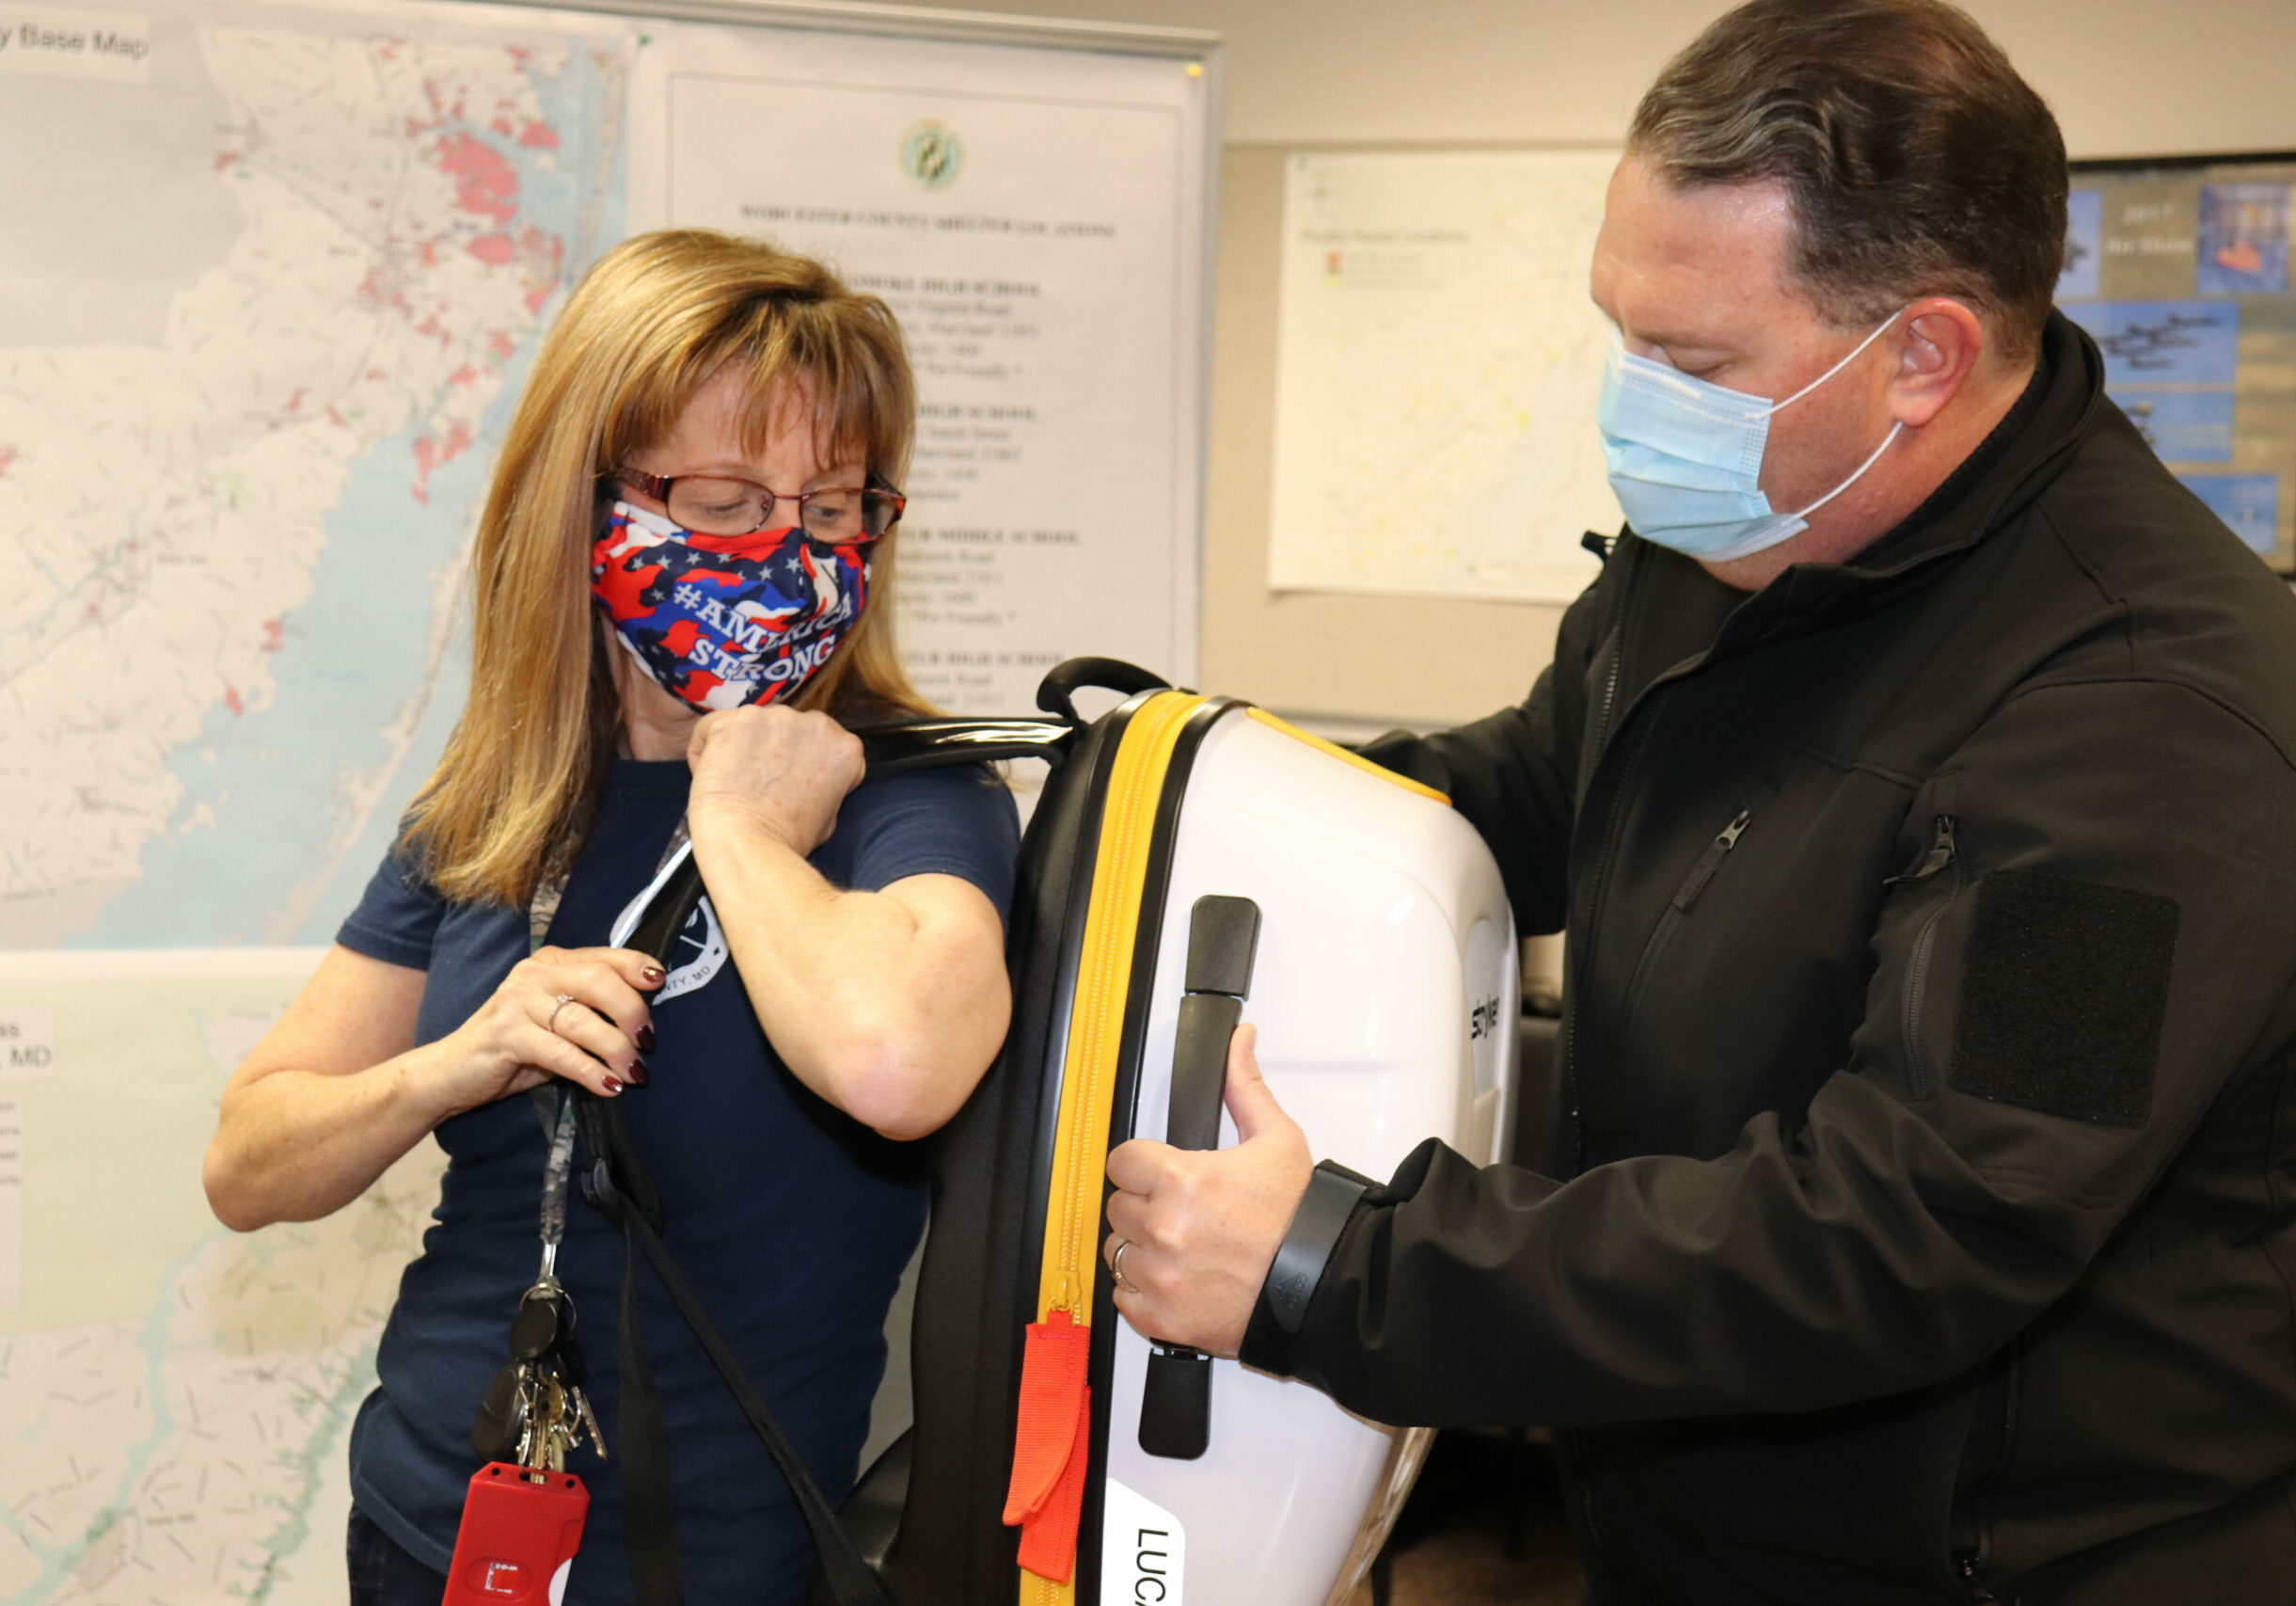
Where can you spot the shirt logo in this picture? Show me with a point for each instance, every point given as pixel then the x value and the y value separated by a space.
pixel 697 956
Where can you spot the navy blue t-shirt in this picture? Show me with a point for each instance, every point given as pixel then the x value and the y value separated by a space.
pixel 791 1220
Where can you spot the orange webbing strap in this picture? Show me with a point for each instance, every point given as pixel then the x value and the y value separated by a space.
pixel 1052 1445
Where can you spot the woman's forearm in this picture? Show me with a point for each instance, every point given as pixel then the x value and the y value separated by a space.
pixel 296 1145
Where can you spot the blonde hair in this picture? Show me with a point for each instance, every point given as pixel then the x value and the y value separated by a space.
pixel 649 325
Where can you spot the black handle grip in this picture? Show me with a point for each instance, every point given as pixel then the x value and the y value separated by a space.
pixel 1223 942
pixel 1199 1068
pixel 930 744
pixel 1057 692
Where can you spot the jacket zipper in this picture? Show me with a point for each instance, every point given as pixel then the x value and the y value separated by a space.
pixel 1940 858
pixel 1576 962
pixel 1600 883
pixel 1577 937
pixel 1693 887
pixel 1965 1565
pixel 1611 694
pixel 1940 855
pixel 1711 861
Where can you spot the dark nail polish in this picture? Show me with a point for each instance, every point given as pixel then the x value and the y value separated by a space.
pixel 614 1085
pixel 640 1074
pixel 645 1040
pixel 653 973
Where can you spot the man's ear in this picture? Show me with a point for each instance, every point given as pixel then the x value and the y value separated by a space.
pixel 1942 343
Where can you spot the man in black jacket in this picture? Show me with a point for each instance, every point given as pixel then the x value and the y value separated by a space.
pixel 1917 789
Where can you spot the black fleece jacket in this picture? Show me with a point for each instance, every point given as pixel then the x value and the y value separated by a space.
pixel 1919 1219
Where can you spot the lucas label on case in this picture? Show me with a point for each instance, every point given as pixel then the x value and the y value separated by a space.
pixel 1144 1552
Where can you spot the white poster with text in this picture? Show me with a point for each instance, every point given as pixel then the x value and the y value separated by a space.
pixel 1437 365
pixel 1036 219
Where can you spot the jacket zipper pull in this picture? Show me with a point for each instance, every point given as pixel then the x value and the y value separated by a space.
pixel 1711 861
pixel 1940 855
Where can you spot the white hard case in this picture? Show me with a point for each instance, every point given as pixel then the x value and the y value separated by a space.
pixel 1385 992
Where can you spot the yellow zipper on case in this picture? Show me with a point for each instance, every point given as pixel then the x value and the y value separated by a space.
pixel 1072 1256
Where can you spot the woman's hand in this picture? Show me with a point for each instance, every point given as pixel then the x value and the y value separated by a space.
pixel 524 1034
pixel 774 769
pixel 338 1089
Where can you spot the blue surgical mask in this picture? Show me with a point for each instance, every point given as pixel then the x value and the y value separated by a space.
pixel 1685 456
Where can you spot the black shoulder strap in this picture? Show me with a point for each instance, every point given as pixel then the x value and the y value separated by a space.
pixel 619 1184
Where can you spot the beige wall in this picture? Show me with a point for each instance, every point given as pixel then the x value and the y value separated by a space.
pixel 2127 77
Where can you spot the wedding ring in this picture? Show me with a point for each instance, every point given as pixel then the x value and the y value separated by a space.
pixel 550 1021
pixel 1116 1266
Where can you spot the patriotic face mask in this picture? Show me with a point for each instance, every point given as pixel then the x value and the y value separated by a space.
pixel 723 621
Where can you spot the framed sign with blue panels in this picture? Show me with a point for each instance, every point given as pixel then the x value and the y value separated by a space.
pixel 2178 266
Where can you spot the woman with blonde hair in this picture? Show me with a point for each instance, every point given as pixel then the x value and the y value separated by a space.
pixel 682 595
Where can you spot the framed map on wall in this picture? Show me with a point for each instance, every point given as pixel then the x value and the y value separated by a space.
pixel 2178 268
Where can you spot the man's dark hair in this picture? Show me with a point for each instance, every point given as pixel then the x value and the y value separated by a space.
pixel 1917 162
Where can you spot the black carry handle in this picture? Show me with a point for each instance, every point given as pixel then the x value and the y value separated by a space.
pixel 927 744
pixel 1057 691
pixel 932 744
pixel 1223 938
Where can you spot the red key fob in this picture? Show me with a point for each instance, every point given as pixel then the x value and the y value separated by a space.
pixel 517 1538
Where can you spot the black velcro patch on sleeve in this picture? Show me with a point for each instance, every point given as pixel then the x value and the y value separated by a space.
pixel 2064 989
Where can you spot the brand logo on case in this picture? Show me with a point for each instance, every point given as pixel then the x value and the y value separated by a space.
pixel 1482 1020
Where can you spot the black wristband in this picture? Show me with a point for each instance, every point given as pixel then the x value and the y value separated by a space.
pixel 1332 1193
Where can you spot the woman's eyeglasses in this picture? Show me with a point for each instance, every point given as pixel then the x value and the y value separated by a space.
pixel 841 516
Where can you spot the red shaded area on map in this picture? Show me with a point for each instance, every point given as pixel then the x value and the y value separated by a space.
pixel 431 453
pixel 484 181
